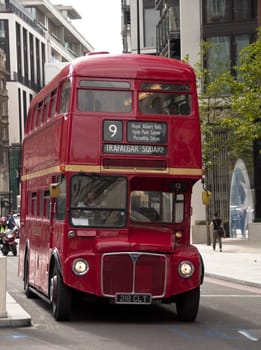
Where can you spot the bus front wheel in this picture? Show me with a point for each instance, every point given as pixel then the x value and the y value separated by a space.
pixel 60 296
pixel 187 305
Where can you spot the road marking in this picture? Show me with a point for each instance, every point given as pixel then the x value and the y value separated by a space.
pixel 230 295
pixel 247 335
pixel 209 333
pixel 213 333
pixel 14 336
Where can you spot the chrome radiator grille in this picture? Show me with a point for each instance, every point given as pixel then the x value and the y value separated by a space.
pixel 133 272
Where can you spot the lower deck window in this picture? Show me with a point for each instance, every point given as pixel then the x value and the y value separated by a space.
pixel 151 206
pixel 98 201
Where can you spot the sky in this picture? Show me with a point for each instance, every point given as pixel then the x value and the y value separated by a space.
pixel 100 24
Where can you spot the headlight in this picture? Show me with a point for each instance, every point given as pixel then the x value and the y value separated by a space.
pixel 186 269
pixel 80 267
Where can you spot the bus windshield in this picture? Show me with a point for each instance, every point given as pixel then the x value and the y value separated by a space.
pixel 151 206
pixel 98 201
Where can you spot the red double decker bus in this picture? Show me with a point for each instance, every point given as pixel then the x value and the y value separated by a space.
pixel 111 152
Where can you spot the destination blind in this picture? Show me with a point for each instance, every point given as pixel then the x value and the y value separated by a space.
pixel 139 133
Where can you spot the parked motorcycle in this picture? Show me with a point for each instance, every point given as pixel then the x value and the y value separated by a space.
pixel 8 243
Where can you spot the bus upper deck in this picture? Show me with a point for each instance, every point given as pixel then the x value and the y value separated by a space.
pixel 130 108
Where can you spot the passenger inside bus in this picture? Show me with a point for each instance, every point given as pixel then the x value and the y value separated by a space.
pixel 156 106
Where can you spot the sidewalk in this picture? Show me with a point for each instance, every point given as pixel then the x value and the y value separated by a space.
pixel 239 261
pixel 16 315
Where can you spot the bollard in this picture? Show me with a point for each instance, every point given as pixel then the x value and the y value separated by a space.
pixel 3 274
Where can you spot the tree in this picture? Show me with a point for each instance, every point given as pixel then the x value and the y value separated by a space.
pixel 231 102
pixel 244 121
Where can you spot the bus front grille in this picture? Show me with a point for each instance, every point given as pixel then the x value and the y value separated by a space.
pixel 133 272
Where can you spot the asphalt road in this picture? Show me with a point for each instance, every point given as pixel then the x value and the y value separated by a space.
pixel 229 318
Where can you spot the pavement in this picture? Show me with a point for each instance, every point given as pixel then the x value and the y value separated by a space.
pixel 239 262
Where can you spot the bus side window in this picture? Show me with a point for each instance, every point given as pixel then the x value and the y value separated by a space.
pixel 38 115
pixel 179 208
pixel 41 204
pixel 33 204
pixel 85 101
pixel 45 109
pixel 61 202
pixel 64 100
pixel 52 105
pixel 46 205
pixel 29 120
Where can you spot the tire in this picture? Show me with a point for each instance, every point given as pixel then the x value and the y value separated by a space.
pixel 60 296
pixel 5 250
pixel 14 249
pixel 29 294
pixel 187 305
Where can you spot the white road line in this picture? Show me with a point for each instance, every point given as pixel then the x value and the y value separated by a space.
pixel 247 335
pixel 230 295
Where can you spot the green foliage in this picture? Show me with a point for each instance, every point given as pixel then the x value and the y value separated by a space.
pixel 230 102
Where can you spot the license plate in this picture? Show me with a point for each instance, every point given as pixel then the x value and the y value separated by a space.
pixel 125 298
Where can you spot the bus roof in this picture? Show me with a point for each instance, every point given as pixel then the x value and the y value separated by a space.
pixel 123 66
pixel 131 66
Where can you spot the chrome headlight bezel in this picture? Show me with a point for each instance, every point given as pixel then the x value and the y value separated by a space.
pixel 186 269
pixel 80 266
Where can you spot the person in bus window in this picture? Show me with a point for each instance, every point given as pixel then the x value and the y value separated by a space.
pixel 101 217
pixel 173 108
pixel 156 107
pixel 185 109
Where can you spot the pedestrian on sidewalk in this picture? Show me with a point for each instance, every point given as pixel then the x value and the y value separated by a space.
pixel 218 231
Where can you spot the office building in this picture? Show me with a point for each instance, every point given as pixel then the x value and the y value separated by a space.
pixel 32 33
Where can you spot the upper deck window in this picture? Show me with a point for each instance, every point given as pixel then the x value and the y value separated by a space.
pixel 165 87
pixel 104 96
pixel 156 98
pixel 105 84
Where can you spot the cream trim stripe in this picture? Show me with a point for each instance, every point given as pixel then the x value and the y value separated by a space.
pixel 96 169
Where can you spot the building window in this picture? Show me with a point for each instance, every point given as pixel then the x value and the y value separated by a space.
pixel 2 29
pixel 150 21
pixel 38 65
pixel 225 50
pixel 219 57
pixel 217 11
pixel 242 9
pixel 241 41
pixel 151 18
pixel 19 50
pixel 25 54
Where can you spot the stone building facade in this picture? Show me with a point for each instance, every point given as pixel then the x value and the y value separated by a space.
pixel 4 140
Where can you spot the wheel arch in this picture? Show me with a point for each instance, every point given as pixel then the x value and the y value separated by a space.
pixel 26 254
pixel 202 269
pixel 54 262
